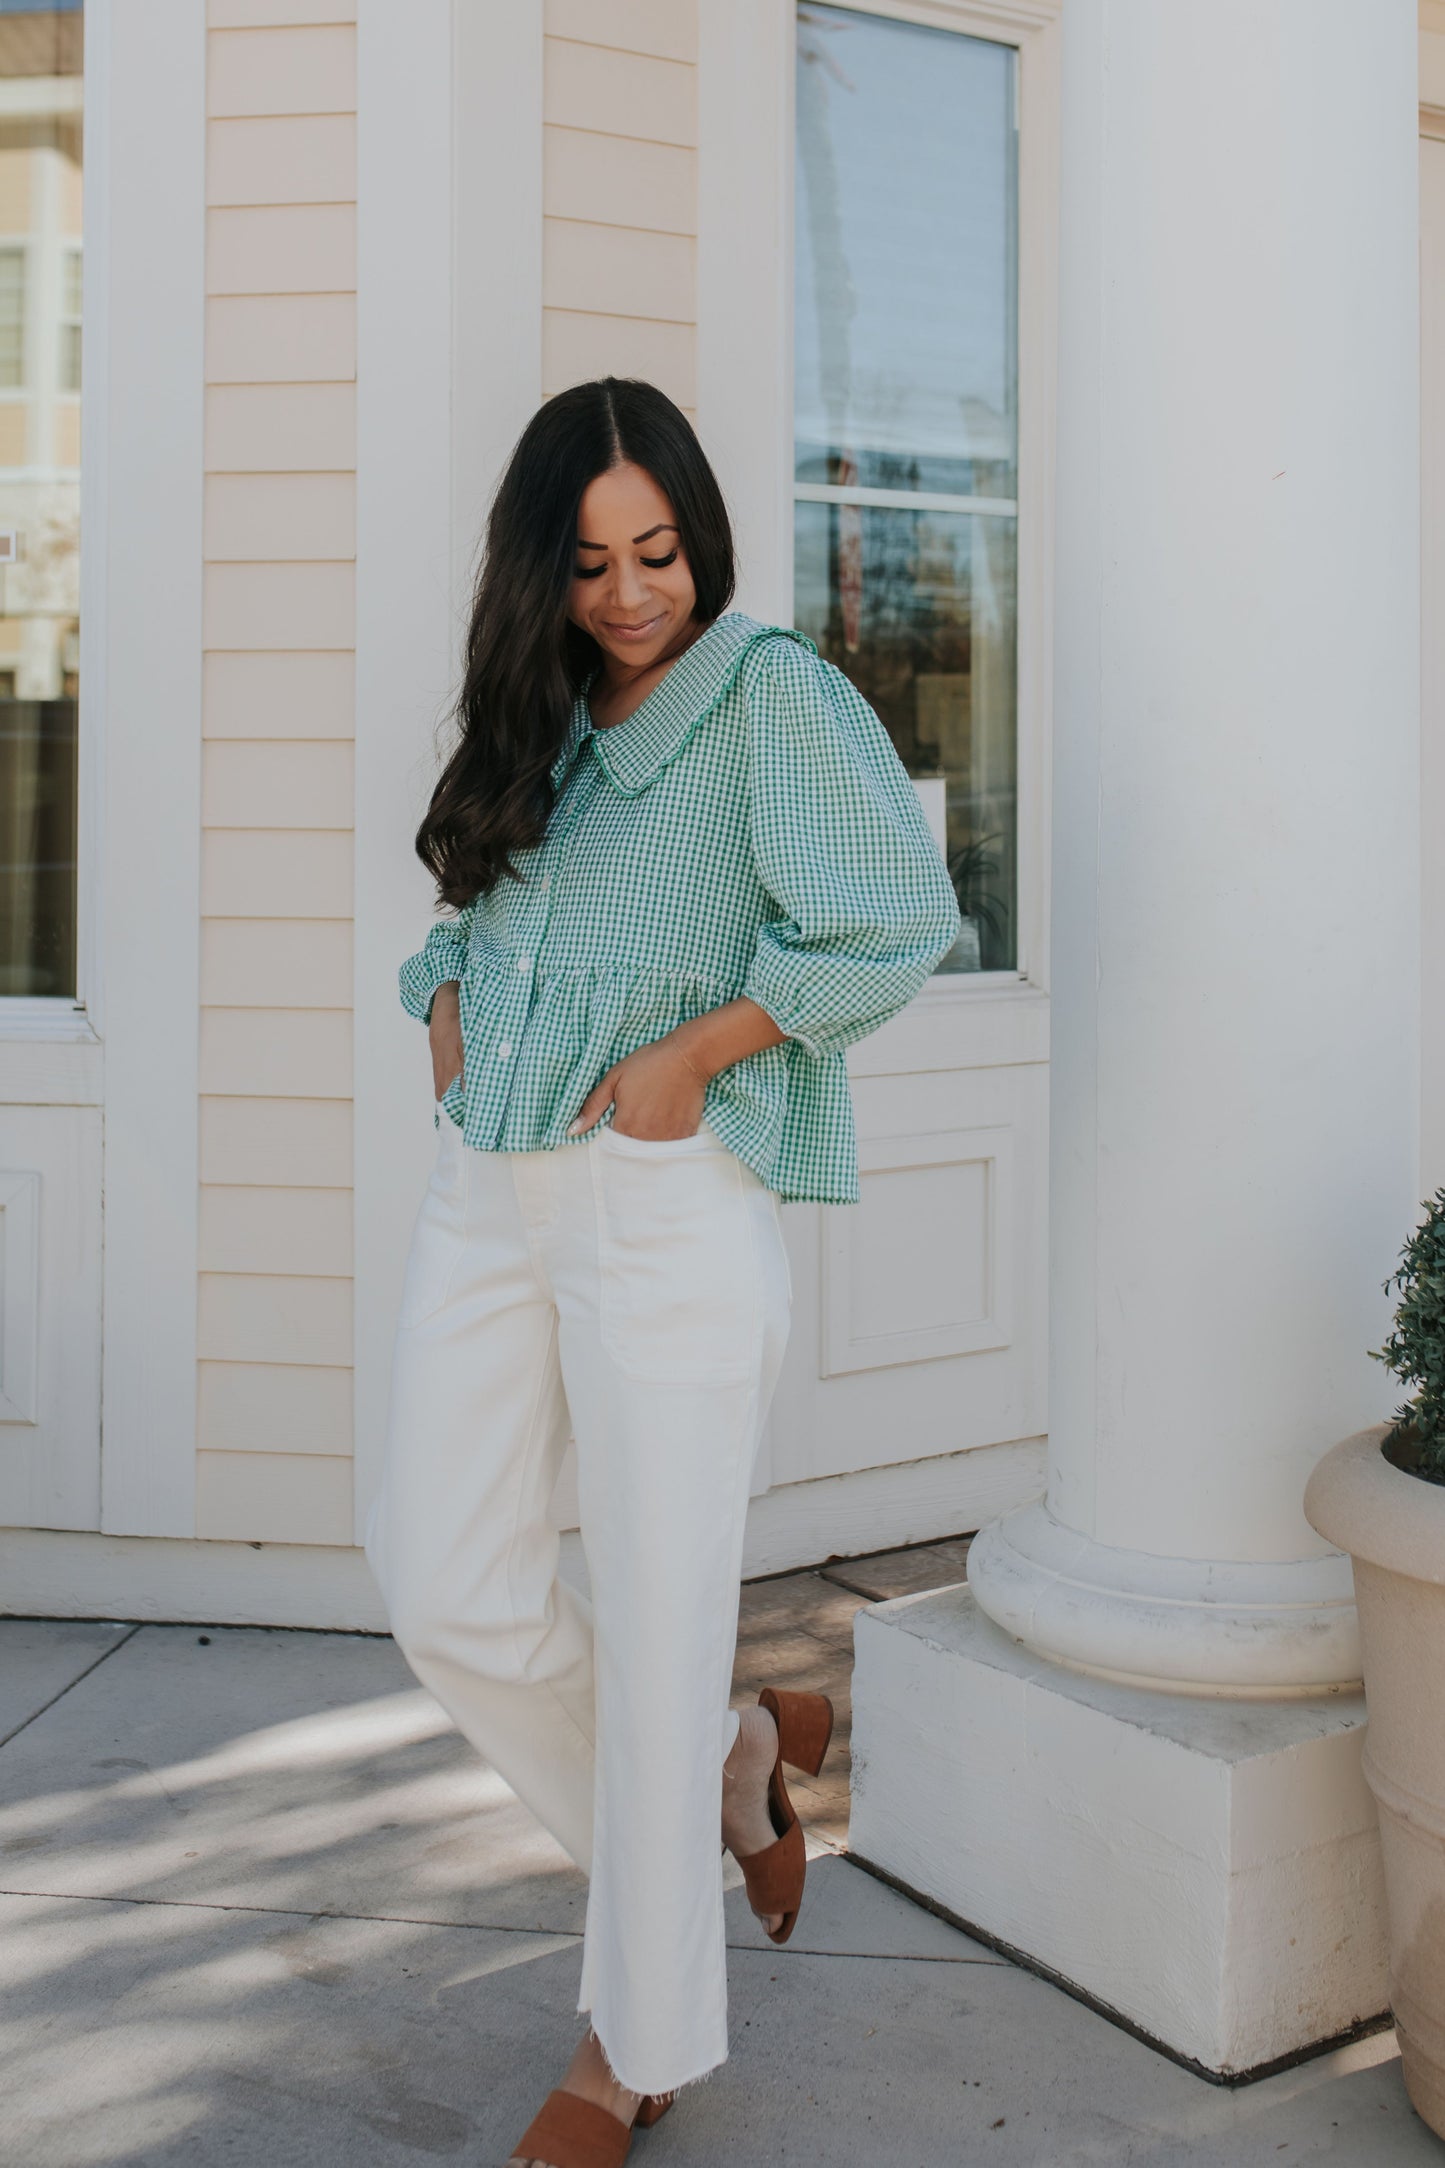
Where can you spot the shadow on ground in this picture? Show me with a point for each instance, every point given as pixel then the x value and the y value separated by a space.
pixel 258 1904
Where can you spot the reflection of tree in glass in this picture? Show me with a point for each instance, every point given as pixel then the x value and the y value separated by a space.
pixel 834 300
pixel 916 639
pixel 915 619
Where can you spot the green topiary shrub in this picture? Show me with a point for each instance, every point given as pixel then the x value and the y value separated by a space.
pixel 1415 1350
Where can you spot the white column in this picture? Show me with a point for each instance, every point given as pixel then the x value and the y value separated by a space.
pixel 1235 1065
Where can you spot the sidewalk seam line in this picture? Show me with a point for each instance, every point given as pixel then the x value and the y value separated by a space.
pixel 299 1912
pixel 103 1657
pixel 479 1927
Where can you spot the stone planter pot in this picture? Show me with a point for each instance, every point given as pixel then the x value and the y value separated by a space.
pixel 1393 1526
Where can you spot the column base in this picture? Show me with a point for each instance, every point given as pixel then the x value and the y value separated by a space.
pixel 1208 1871
pixel 1176 1625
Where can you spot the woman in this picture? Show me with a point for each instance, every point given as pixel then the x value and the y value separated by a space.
pixel 687 869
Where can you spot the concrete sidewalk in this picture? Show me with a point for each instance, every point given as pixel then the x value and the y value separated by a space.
pixel 259 1905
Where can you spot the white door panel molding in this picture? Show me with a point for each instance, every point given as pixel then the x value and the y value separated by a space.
pixel 921 1267
pixel 19 1293
pixel 50 1303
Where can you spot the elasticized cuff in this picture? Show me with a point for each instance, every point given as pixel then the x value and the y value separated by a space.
pixel 775 1004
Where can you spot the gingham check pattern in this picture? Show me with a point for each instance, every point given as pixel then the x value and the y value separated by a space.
pixel 749 829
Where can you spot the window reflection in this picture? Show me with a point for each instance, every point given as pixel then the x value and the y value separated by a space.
pixel 905 424
pixel 40 288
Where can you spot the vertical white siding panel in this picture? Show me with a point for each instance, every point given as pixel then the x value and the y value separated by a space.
pixel 144 663
pixel 744 279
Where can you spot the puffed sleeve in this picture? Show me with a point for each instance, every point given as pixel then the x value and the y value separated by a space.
pixel 442 956
pixel 842 845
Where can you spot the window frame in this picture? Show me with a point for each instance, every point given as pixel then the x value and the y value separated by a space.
pixel 30 1021
pixel 68 320
pixel 746 82
pixel 20 246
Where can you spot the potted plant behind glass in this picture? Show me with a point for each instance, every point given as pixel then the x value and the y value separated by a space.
pixel 1381 1496
pixel 984 916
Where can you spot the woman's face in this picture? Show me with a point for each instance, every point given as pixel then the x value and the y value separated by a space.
pixel 632 586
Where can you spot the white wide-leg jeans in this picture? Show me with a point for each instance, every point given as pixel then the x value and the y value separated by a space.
pixel 636 1294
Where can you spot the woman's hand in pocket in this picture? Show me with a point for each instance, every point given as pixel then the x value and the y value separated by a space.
pixel 659 1094
pixel 446 1037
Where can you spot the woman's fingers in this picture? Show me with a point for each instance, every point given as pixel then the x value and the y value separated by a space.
pixel 595 1105
pixel 446 1048
pixel 446 1069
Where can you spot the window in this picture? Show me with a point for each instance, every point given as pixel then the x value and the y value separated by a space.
pixel 12 318
pixel 906 419
pixel 69 327
pixel 40 214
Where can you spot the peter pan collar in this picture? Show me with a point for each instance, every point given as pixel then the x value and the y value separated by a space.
pixel 634 753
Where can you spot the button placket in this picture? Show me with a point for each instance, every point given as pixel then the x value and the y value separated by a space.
pixel 535 924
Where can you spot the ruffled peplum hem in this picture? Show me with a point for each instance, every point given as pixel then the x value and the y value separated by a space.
pixel 532 1057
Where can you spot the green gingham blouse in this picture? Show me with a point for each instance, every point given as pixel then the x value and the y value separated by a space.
pixel 748 829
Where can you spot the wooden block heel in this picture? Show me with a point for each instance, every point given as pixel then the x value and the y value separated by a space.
pixel 805 1725
pixel 775 1876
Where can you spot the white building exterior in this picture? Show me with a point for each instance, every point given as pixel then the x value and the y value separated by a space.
pixel 1131 1190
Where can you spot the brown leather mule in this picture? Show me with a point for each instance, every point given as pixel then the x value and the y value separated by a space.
pixel 775 1876
pixel 570 2132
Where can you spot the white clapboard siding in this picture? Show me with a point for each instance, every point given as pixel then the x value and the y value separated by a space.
pixel 276 963
pixel 273 1142
pixel 274 1317
pixel 276 873
pixel 663 29
pixel 614 180
pixel 258 518
pixel 280 1407
pixel 281 428
pixel 299 696
pixel 274 1392
pixel 274 1497
pixel 281 248
pixel 282 69
pixel 619 243
pixel 297 158
pixel 274 14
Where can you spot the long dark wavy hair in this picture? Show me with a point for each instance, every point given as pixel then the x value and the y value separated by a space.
pixel 525 661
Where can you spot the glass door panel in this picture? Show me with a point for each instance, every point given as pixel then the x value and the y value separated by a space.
pixel 40 243
pixel 905 421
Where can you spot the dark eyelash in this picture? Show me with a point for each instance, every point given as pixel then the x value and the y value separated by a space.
pixel 653 564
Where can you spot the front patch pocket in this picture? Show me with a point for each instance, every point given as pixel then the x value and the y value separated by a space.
pixel 440 1232
pixel 680 1292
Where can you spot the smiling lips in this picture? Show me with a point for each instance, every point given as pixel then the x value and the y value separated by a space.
pixel 635 632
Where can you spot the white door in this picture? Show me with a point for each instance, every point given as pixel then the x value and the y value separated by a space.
pixel 50 1115
pixel 919 1332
